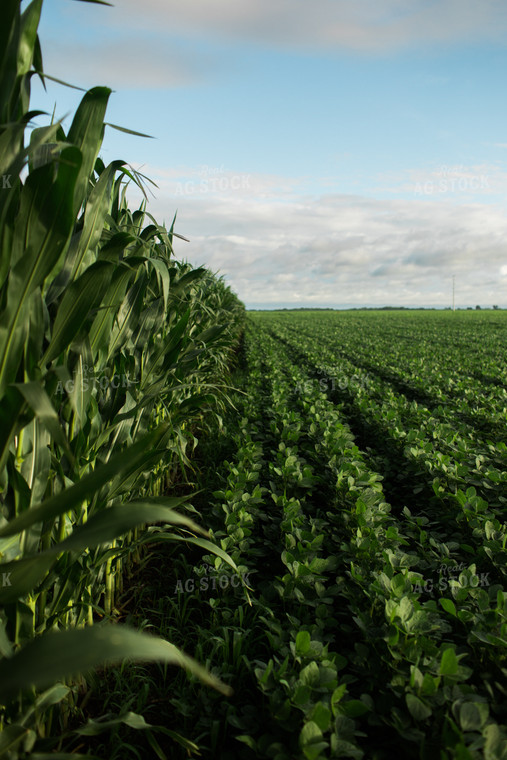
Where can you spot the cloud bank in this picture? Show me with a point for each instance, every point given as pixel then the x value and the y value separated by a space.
pixel 277 246
pixel 364 25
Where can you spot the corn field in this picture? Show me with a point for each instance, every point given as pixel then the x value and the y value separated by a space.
pixel 112 355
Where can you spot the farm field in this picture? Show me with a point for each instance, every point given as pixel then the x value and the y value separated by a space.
pixel 229 534
pixel 360 487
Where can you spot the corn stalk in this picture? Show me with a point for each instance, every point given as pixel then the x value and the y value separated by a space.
pixel 111 353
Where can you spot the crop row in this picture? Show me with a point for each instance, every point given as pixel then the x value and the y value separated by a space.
pixel 370 629
pixel 440 373
pixel 420 620
pixel 443 460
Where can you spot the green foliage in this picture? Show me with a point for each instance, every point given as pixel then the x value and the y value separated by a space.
pixel 113 355
pixel 371 526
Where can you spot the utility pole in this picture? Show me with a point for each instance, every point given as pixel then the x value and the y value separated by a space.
pixel 453 278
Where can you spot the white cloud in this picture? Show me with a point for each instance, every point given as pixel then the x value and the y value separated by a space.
pixel 279 247
pixel 127 63
pixel 168 43
pixel 364 25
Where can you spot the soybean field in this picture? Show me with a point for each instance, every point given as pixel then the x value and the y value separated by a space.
pixel 360 487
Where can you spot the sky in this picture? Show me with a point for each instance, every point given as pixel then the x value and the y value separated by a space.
pixel 338 153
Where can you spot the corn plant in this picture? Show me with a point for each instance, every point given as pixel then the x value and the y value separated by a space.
pixel 111 353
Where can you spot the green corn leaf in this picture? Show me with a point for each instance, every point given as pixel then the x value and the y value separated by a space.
pixel 128 315
pixel 210 334
pixel 44 76
pixel 36 465
pixel 9 39
pixel 168 350
pixel 24 574
pixel 8 28
pixel 82 297
pixel 116 246
pixel 100 331
pixel 186 280
pixel 53 656
pixel 12 157
pixel 29 24
pixel 150 317
pixel 37 59
pixel 97 208
pixel 81 388
pixel 128 131
pixel 135 721
pixel 116 521
pixel 51 696
pixel 63 755
pixel 86 132
pixel 37 398
pixel 97 2
pixel 12 405
pixel 203 543
pixel 163 274
pixel 131 459
pixel 95 727
pixel 36 249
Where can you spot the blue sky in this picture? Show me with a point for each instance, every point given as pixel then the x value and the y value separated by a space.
pixel 332 153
